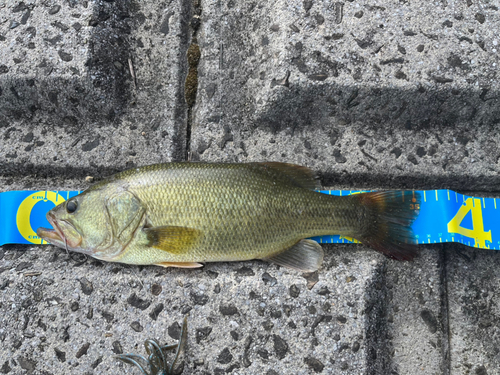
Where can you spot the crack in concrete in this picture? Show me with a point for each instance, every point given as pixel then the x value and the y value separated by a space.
pixel 184 127
pixel 193 56
pixel 445 313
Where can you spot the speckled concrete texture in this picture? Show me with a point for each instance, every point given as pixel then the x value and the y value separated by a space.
pixel 474 305
pixel 71 315
pixel 377 92
pixel 380 94
pixel 415 312
pixel 91 85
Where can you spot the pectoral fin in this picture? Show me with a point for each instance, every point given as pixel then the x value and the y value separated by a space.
pixel 180 265
pixel 305 256
pixel 174 240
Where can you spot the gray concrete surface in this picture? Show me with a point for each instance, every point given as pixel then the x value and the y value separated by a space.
pixel 377 93
pixel 384 94
pixel 94 86
pixel 474 306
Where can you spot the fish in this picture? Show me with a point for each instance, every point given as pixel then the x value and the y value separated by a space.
pixel 157 360
pixel 185 214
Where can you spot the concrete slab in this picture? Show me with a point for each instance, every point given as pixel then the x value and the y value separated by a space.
pixel 416 312
pixel 373 93
pixel 361 313
pixel 370 95
pixel 474 306
pixel 62 313
pixel 91 87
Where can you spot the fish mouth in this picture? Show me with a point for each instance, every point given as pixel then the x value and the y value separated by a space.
pixel 51 235
pixel 56 236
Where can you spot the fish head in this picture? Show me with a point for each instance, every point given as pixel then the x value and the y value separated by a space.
pixel 79 224
pixel 99 222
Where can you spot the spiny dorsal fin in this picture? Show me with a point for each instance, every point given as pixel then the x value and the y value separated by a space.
pixel 174 240
pixel 305 256
pixel 299 175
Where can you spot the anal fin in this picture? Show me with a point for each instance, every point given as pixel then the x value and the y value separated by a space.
pixel 179 264
pixel 305 256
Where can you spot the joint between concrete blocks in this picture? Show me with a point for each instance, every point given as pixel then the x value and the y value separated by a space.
pixel 193 56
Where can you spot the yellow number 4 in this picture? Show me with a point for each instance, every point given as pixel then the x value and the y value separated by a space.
pixel 477 232
pixel 353 240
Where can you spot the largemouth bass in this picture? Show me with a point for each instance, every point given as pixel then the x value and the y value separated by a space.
pixel 185 214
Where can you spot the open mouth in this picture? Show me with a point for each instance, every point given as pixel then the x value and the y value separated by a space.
pixel 51 235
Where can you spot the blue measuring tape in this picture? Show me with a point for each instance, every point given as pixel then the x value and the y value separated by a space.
pixel 445 216
pixel 22 212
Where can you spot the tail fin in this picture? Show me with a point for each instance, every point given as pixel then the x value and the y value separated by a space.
pixel 389 217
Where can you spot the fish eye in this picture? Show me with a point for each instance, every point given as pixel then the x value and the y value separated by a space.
pixel 71 207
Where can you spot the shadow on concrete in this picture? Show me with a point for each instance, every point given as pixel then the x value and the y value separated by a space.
pixel 378 345
pixel 381 301
pixel 453 116
pixel 78 102
pixel 78 99
pixel 391 109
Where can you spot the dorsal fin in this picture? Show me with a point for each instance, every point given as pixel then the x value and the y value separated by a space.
pixel 299 175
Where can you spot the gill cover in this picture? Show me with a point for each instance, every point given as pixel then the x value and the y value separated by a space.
pixel 125 212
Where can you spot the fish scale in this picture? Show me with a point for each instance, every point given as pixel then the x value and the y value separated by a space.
pixel 180 214
pixel 255 215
